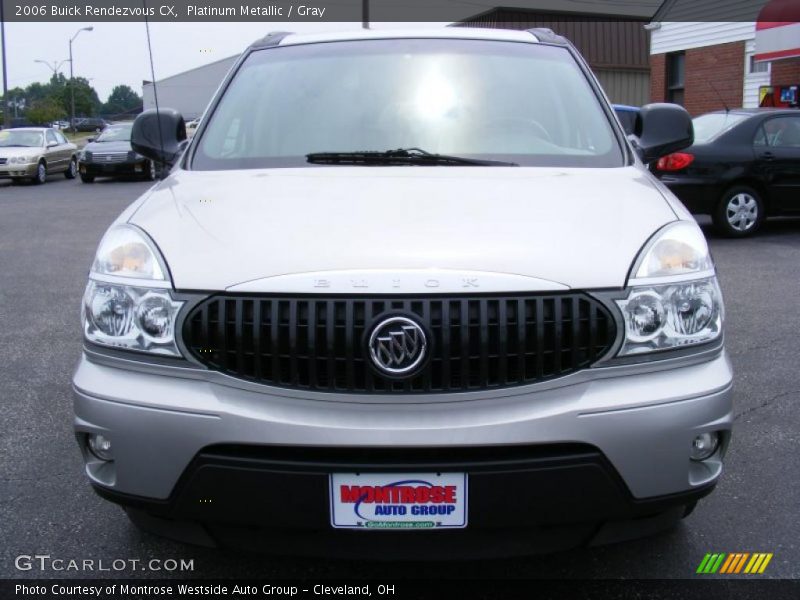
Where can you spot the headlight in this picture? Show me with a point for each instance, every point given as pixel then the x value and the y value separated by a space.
pixel 125 252
pixel 678 249
pixel 670 316
pixel 673 299
pixel 21 160
pixel 128 303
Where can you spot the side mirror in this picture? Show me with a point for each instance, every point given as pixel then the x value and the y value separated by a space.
pixel 89 140
pixel 661 129
pixel 52 144
pixel 158 135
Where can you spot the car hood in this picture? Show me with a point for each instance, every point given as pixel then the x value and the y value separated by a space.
pixel 108 147
pixel 285 229
pixel 13 151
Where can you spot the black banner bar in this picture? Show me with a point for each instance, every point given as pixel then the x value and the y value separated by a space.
pixel 399 589
pixel 492 12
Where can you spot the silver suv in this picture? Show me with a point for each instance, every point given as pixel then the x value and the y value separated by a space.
pixel 416 281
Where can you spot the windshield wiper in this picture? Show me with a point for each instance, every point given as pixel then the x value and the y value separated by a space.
pixel 401 156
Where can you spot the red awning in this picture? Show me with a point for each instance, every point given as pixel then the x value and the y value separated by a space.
pixel 778 30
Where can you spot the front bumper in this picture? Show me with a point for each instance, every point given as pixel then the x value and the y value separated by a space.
pixel 573 457
pixel 136 167
pixel 8 171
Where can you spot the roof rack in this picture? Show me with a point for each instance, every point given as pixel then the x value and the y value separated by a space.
pixel 548 36
pixel 273 38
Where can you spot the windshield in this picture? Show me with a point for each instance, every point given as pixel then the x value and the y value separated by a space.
pixel 116 133
pixel 707 127
pixel 523 103
pixel 10 138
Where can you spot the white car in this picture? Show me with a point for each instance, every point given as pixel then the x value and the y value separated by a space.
pixel 405 294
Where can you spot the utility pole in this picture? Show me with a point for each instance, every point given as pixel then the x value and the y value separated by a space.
pixel 71 77
pixel 6 116
pixel 365 14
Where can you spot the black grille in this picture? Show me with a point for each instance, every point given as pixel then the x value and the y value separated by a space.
pixel 476 342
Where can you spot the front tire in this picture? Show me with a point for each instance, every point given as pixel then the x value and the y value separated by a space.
pixel 72 169
pixel 41 173
pixel 87 178
pixel 740 212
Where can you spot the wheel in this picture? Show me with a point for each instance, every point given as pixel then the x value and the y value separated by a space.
pixel 740 212
pixel 150 171
pixel 41 173
pixel 85 178
pixel 72 169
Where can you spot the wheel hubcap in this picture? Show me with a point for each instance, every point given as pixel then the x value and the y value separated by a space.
pixel 42 173
pixel 742 212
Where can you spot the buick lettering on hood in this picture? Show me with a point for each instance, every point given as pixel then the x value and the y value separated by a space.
pixel 407 294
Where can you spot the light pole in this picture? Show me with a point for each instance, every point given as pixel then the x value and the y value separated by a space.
pixel 71 77
pixel 54 66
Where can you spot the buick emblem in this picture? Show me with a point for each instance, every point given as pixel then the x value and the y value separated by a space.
pixel 397 346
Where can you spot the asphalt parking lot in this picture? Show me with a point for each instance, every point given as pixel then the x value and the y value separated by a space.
pixel 47 238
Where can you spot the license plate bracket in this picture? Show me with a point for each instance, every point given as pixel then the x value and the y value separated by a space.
pixel 397 501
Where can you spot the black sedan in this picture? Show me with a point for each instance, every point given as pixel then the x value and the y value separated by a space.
pixel 110 154
pixel 743 167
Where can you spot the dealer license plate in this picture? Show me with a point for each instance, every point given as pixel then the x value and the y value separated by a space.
pixel 398 500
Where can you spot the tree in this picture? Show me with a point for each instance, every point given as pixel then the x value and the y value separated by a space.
pixel 122 100
pixel 87 103
pixel 44 112
pixel 14 102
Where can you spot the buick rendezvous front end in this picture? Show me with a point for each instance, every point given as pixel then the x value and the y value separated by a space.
pixel 398 299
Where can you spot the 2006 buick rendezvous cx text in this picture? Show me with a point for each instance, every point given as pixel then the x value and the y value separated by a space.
pixel 409 294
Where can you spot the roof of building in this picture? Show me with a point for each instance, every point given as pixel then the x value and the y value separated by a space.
pixel 709 10
pixel 182 73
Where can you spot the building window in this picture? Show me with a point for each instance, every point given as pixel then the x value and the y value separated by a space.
pixel 676 70
pixel 757 66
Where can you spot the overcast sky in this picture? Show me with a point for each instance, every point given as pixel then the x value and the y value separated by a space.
pixel 116 53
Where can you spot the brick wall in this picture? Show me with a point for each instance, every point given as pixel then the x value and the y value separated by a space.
pixel 719 67
pixel 785 72
pixel 658 73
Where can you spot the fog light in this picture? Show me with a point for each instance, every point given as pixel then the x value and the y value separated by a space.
pixel 704 445
pixel 100 446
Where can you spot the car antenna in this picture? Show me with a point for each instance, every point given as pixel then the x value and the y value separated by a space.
pixel 719 96
pixel 163 171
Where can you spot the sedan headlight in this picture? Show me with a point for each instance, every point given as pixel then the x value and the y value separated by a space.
pixel 21 160
pixel 673 298
pixel 128 302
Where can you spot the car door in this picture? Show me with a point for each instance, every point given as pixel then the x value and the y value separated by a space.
pixel 54 154
pixel 777 148
pixel 67 147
